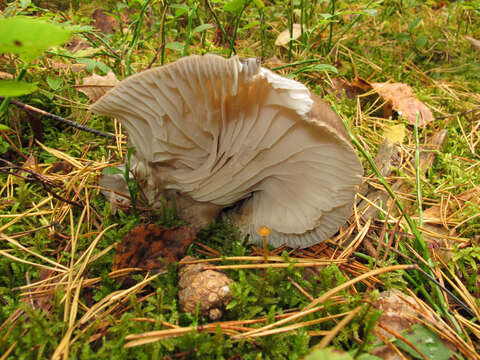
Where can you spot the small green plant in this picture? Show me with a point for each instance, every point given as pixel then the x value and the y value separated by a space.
pixel 129 179
pixel 29 40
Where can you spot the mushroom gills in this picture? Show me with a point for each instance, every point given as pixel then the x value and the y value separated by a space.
pixel 226 133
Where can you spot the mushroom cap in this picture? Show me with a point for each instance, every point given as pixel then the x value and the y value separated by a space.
pixel 230 133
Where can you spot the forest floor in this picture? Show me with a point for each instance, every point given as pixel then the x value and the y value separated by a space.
pixel 398 281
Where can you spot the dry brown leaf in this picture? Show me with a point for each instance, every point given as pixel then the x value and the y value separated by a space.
pixel 60 167
pixel 404 102
pixel 77 44
pixel 434 217
pixel 399 313
pixel 146 244
pixel 284 37
pixel 95 86
pixel 42 297
pixel 341 87
pixel 60 65
pixel 474 43
pixel 104 22
pixel 5 76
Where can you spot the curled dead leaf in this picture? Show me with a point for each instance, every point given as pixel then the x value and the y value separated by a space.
pixel 404 101
pixel 95 86
pixel 284 37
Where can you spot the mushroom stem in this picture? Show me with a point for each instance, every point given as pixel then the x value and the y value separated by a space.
pixel 264 231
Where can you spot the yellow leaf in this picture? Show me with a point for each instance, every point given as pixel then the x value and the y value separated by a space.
pixel 395 134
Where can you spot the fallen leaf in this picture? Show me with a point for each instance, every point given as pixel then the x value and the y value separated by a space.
pixel 76 44
pixel 400 312
pixel 95 86
pixel 105 22
pixel 42 297
pixel 397 314
pixel 31 163
pixel 145 245
pixel 60 65
pixel 404 102
pixel 395 134
pixel 474 43
pixel 6 76
pixel 439 236
pixel 60 167
pixel 343 88
pixel 284 37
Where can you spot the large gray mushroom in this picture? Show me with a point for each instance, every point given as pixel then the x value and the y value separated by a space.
pixel 221 133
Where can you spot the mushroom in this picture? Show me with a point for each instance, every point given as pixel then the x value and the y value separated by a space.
pixel 219 133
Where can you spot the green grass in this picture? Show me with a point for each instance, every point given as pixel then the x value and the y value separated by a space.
pixel 419 43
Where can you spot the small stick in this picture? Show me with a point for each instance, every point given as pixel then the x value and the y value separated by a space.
pixel 302 290
pixel 39 178
pixel 57 118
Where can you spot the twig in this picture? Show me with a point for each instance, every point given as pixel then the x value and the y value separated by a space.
pixel 57 118
pixel 45 182
pixel 219 25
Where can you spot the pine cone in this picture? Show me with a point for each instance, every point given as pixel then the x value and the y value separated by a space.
pixel 208 288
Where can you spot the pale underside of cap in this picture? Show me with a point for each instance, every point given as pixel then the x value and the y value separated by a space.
pixel 231 133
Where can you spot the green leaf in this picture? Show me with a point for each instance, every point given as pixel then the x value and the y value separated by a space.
pixel 402 37
pixel 234 6
pixel 328 354
pixel 5 128
pixel 16 88
pixel 414 23
pixel 4 146
pixel 25 3
pixel 259 4
pixel 427 342
pixel 176 46
pixel 203 27
pixel 421 41
pixel 317 68
pixel 90 63
pixel 251 24
pixel 102 67
pixel 112 171
pixel 31 36
pixel 54 82
pixel 327 16
pixel 180 9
